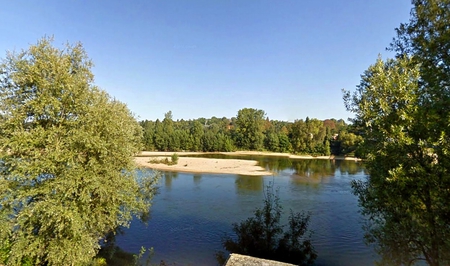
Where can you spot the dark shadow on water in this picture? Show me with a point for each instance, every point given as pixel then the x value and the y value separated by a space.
pixel 167 234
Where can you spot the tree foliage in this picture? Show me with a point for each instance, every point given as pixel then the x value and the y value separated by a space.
pixel 250 131
pixel 67 174
pixel 249 128
pixel 402 106
pixel 263 236
pixel 309 137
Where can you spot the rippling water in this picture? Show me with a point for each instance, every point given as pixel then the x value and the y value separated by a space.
pixel 193 211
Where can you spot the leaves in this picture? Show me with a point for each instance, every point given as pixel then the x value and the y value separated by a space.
pixel 401 106
pixel 66 152
pixel 262 235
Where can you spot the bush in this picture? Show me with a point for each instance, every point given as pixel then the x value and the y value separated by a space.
pixel 174 158
pixel 262 236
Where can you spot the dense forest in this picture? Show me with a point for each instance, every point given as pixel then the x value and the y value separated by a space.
pixel 251 129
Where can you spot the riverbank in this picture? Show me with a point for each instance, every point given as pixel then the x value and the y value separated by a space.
pixel 218 166
pixel 238 153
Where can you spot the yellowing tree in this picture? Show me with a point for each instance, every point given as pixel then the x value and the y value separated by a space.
pixel 67 176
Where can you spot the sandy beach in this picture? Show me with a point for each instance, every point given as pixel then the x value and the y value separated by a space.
pixel 217 166
pixel 205 165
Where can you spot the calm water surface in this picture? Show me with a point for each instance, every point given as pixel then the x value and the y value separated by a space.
pixel 192 212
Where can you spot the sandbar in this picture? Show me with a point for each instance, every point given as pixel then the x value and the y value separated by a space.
pixel 206 165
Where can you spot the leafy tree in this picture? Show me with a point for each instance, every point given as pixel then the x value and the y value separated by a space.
pixel 271 141
pixel 159 136
pixel 309 137
pixel 406 196
pixel 168 132
pixel 249 129
pixel 67 173
pixel 284 143
pixel 263 236
pixel 148 135
pixel 196 132
pixel 298 135
pixel 407 140
pixel 348 142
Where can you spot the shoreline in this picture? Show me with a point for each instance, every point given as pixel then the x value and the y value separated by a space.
pixel 219 166
pixel 240 153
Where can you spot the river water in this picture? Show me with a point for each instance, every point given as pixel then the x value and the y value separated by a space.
pixel 192 212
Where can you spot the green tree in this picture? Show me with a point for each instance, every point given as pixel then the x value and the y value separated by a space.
pixel 196 132
pixel 407 193
pixel 349 142
pixel 309 137
pixel 168 134
pixel 284 143
pixel 159 137
pixel 406 196
pixel 148 135
pixel 67 173
pixel 249 129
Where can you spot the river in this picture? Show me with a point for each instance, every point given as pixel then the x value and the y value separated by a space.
pixel 192 212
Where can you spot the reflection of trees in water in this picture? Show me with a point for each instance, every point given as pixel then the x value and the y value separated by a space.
pixel 249 183
pixel 168 176
pixel 312 171
pixel 197 178
pixel 350 167
pixel 275 164
pixel 314 168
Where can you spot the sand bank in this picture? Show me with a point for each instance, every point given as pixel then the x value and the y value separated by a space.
pixel 204 165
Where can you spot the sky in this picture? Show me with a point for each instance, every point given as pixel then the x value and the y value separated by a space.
pixel 204 58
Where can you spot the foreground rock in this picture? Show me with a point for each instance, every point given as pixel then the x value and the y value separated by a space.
pixel 241 260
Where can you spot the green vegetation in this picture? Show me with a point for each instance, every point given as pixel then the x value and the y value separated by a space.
pixel 249 129
pixel 174 158
pixel 401 106
pixel 173 161
pixel 252 130
pixel 262 236
pixel 67 174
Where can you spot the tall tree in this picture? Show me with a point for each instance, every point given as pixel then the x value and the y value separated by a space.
pixel 196 132
pixel 406 196
pixel 249 129
pixel 67 173
pixel 410 119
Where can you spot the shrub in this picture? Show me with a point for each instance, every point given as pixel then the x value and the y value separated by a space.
pixel 262 235
pixel 174 158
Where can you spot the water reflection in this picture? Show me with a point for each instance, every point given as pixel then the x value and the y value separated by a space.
pixel 320 167
pixel 168 176
pixel 197 178
pixel 350 167
pixel 246 184
pixel 276 164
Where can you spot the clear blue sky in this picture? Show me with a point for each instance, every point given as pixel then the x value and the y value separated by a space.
pixel 207 58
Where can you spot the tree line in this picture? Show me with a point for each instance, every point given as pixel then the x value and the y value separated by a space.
pixel 251 129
